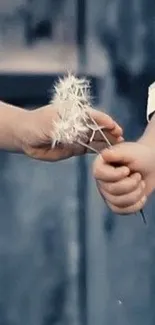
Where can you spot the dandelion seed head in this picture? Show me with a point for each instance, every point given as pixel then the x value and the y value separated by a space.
pixel 72 95
pixel 67 133
pixel 72 100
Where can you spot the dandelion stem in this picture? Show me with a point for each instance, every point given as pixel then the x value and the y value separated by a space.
pixel 88 147
pixel 101 132
pixel 143 216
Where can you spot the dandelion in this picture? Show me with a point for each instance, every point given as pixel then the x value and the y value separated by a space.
pixel 73 101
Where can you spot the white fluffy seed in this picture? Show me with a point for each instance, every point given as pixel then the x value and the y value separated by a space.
pixel 72 100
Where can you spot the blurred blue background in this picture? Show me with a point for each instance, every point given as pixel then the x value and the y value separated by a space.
pixel 64 258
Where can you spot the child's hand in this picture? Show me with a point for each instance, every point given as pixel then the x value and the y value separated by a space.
pixel 126 188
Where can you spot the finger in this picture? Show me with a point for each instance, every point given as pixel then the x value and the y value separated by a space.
pixel 102 119
pixel 125 186
pixel 120 139
pixel 113 139
pixel 108 173
pixel 120 153
pixel 125 200
pixel 129 210
pixel 117 130
pixel 105 120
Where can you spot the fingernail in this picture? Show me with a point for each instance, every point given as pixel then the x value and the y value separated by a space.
pixel 120 139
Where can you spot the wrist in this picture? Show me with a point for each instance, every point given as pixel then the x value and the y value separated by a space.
pixel 21 129
pixel 147 141
pixel 148 137
pixel 16 128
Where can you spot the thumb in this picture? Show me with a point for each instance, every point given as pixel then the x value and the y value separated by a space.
pixel 119 154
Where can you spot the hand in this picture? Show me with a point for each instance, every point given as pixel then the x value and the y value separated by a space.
pixel 127 187
pixel 36 137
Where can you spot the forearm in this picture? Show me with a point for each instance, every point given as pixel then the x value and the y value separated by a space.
pixel 12 120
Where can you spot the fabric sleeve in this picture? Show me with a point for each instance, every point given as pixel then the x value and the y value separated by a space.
pixel 151 101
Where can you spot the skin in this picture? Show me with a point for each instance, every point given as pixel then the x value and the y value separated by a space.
pixel 29 132
pixel 127 187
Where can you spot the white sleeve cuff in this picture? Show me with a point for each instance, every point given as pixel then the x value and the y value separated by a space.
pixel 151 101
